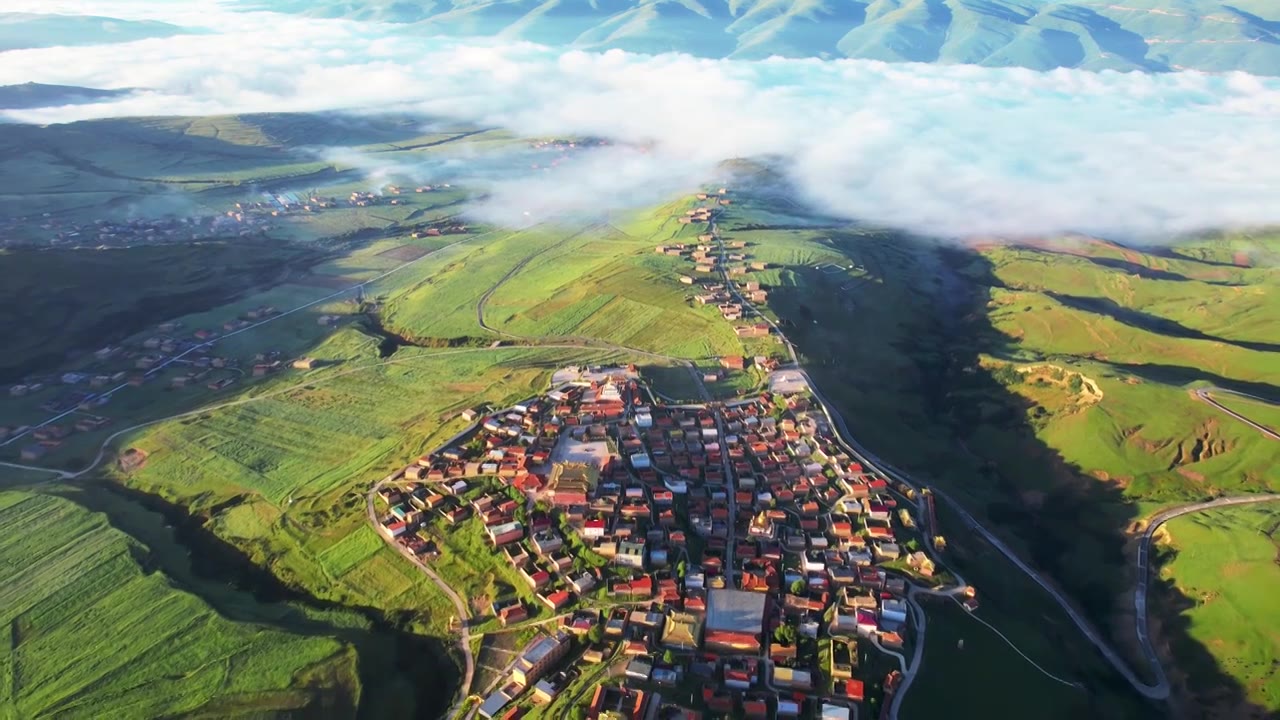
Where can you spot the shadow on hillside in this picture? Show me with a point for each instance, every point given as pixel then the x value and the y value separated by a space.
pixel 1182 375
pixel 947 419
pixel 1133 268
pixel 1110 36
pixel 1152 323
pixel 400 672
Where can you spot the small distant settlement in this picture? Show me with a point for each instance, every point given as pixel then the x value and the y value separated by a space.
pixel 728 559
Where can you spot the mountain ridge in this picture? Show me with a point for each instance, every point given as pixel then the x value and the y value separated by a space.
pixel 1133 35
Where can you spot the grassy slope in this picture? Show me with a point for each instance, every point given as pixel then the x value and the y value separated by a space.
pixel 1265 414
pixel 873 332
pixel 1224 562
pixel 953 682
pixel 296 464
pixel 68 300
pixel 578 280
pixel 88 625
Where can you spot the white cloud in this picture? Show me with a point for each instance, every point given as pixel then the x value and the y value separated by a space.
pixel 949 150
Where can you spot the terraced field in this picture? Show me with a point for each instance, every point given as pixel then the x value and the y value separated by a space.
pixel 94 634
pixel 283 476
pixel 592 281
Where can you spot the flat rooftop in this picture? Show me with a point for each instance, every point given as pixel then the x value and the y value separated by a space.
pixel 735 611
pixel 540 649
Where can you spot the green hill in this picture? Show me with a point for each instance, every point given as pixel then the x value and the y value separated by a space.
pixel 1143 35
pixel 20 31
pixel 33 95
pixel 95 632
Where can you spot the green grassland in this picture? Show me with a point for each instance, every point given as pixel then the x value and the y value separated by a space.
pixel 66 300
pixel 607 285
pixel 1222 568
pixel 961 660
pixel 284 476
pixel 920 345
pixel 1264 413
pixel 95 633
pixel 593 281
pixel 87 170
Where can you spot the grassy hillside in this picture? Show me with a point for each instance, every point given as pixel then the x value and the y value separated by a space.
pixel 122 168
pixel 96 631
pixel 1047 385
pixel 283 477
pixel 566 280
pixel 1221 567
pixel 35 95
pixel 34 30
pixel 67 301
pixel 1146 35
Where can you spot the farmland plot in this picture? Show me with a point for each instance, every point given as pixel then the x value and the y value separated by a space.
pixel 93 635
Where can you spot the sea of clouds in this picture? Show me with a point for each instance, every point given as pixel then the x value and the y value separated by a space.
pixel 944 150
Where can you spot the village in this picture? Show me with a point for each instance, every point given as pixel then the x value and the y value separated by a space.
pixel 737 548
pixel 246 219
pixel 172 356
pixel 731 559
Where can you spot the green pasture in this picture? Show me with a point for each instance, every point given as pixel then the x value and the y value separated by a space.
pixel 1223 577
pixel 94 633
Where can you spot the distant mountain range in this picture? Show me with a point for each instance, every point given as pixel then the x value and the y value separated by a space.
pixel 36 95
pixel 19 31
pixel 1145 35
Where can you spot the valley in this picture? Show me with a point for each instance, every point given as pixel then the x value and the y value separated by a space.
pixel 253 355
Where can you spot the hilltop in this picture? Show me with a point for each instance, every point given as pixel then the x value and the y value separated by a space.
pixel 34 95
pixel 1139 35
pixel 19 31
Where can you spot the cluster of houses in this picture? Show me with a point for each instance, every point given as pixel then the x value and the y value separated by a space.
pixel 721 259
pixel 741 545
pixel 103 233
pixel 89 387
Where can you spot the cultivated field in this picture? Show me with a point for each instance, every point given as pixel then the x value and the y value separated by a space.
pixel 284 476
pixel 94 634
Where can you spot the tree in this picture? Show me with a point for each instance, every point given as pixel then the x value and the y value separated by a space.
pixel 785 635
pixel 578 713
pixel 595 634
pixel 939 542
pixel 798 587
pixel 681 569
pixel 669 658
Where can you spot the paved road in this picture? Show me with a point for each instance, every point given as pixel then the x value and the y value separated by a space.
pixel 1144 567
pixel 1206 395
pixel 1160 690
pixel 460 607
pixel 427 354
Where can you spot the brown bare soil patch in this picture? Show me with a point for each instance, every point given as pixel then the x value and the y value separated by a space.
pixel 132 460
pixel 1191 475
pixel 404 253
pixel 1242 259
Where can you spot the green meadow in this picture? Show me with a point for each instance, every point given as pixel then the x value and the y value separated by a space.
pixel 1266 414
pixel 1222 567
pixel 284 475
pixel 960 658
pixel 96 631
